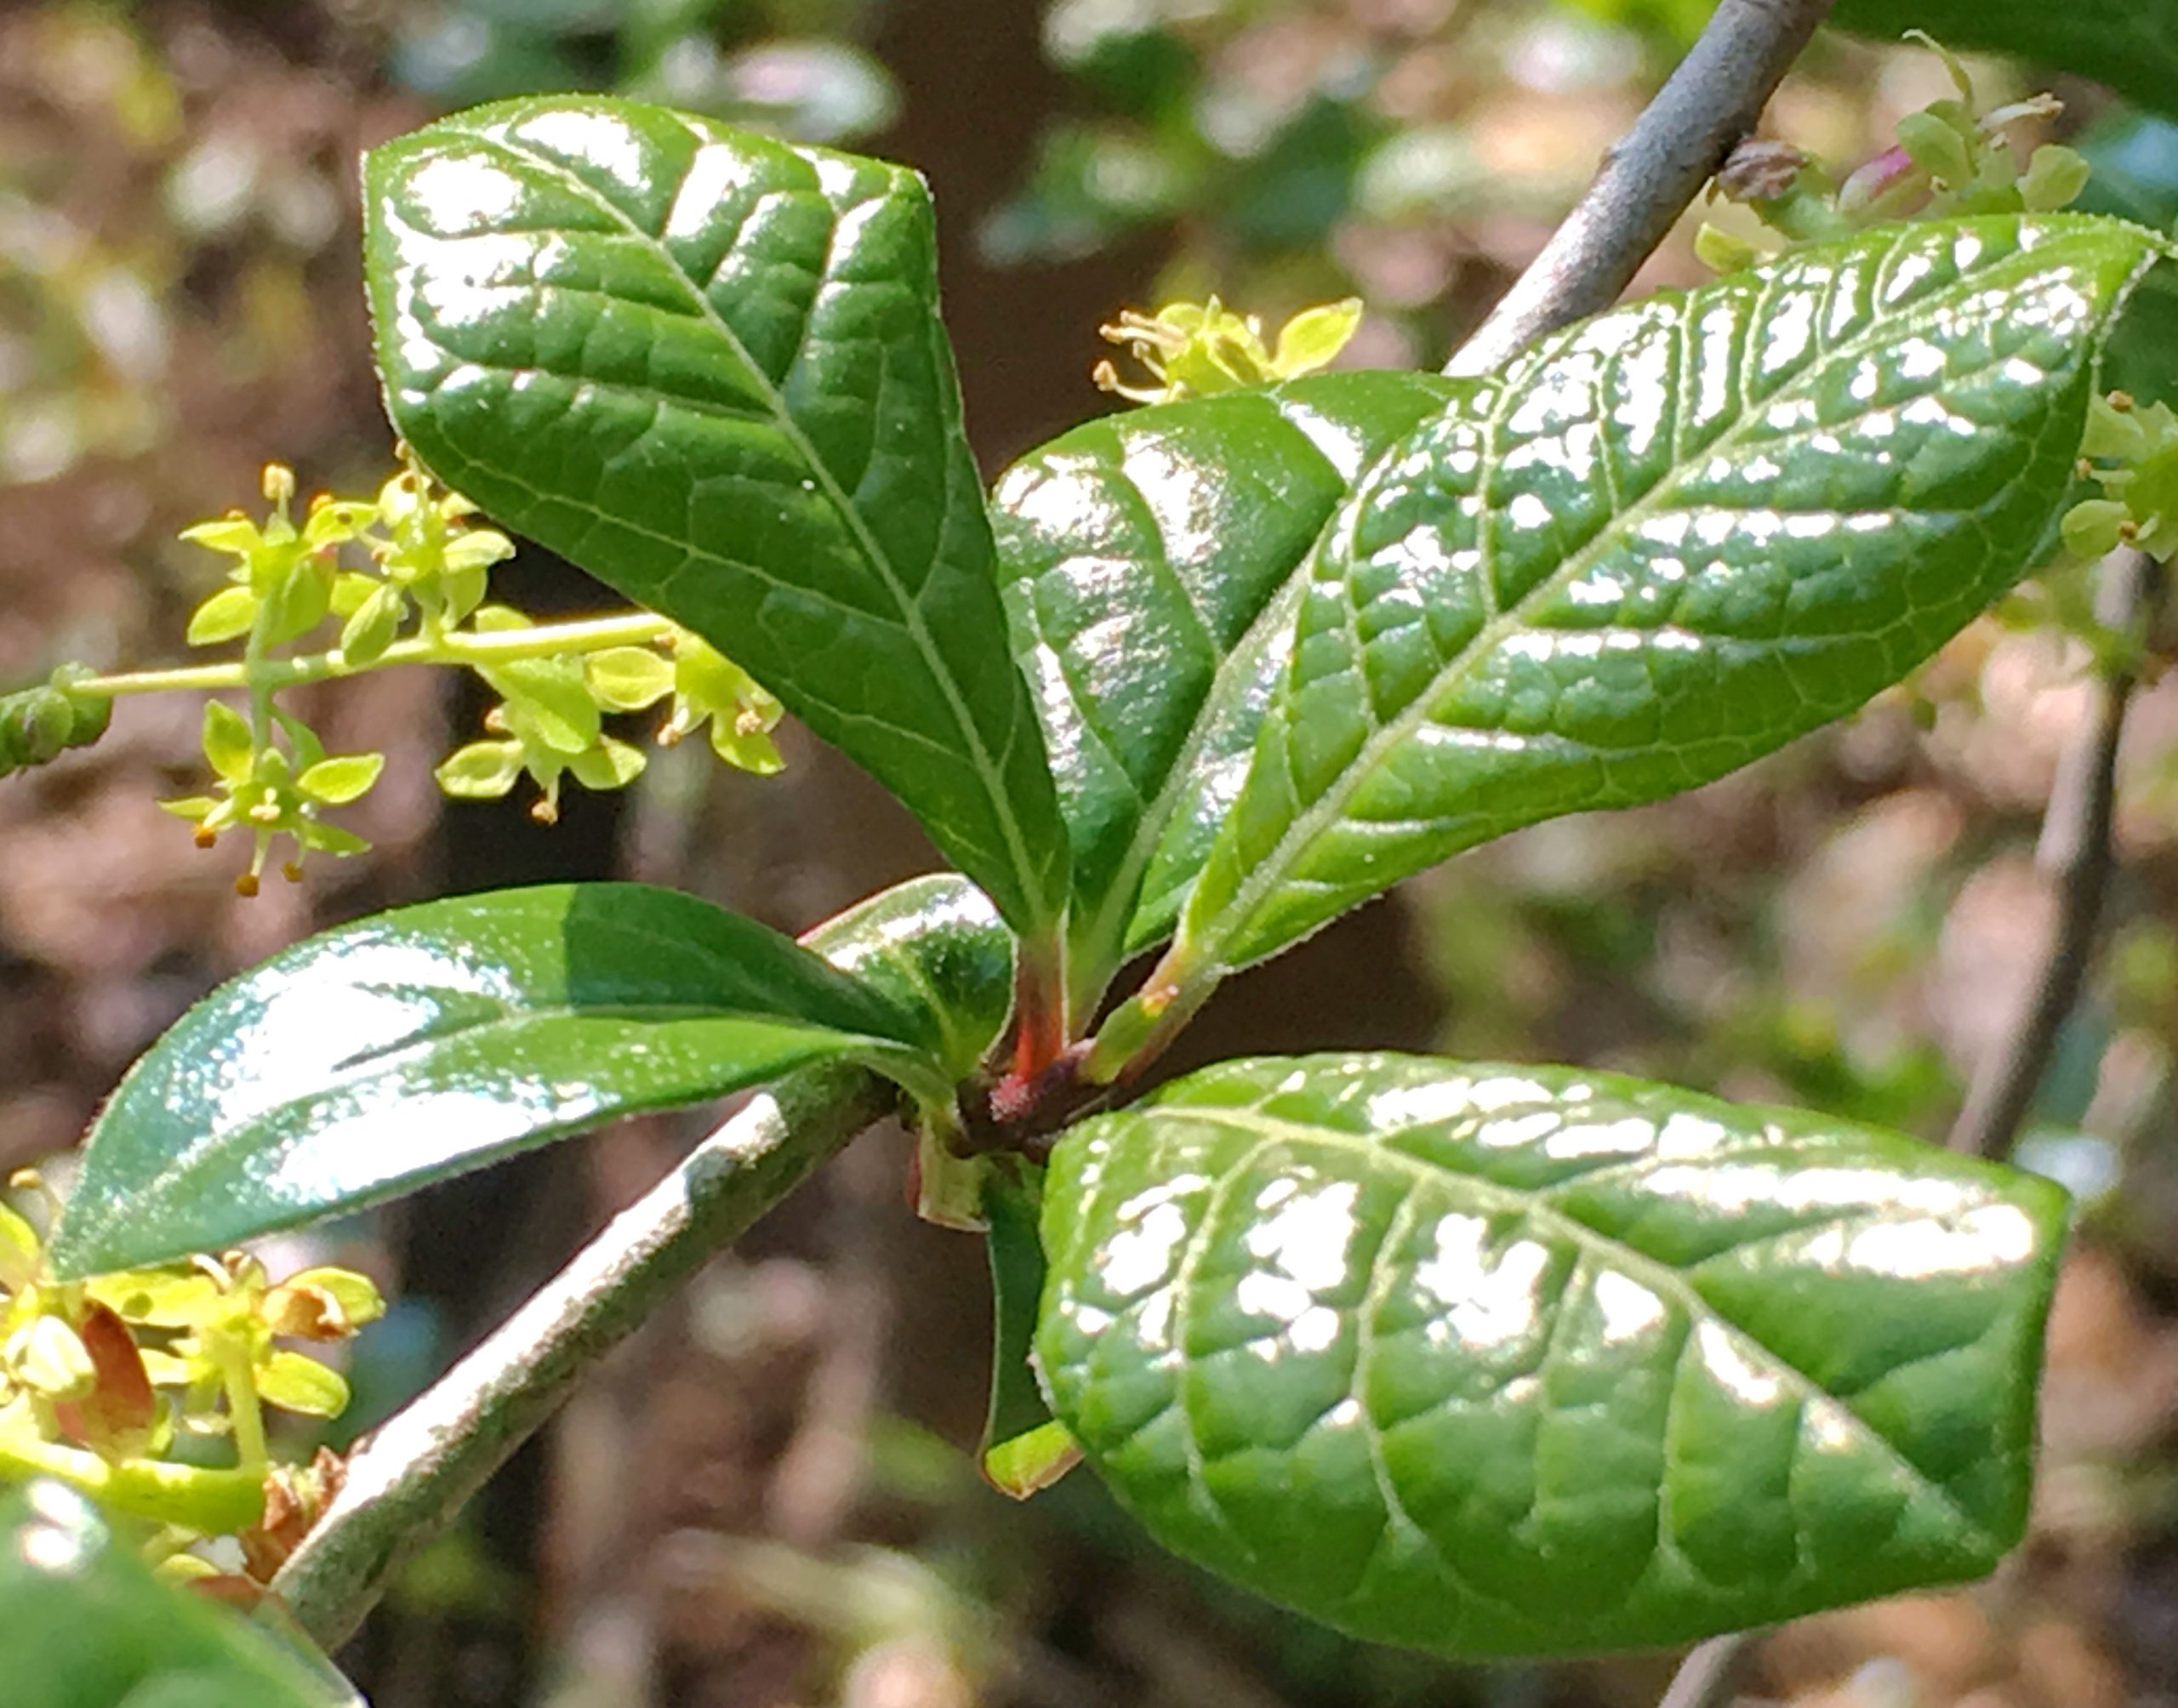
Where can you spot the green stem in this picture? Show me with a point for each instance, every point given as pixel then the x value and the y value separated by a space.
pixel 1141 1029
pixel 213 1501
pixel 231 1353
pixel 551 639
pixel 254 679
pixel 501 646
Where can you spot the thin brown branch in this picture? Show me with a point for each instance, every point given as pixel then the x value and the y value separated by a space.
pixel 1650 176
pixel 416 1473
pixel 2074 855
pixel 1710 1673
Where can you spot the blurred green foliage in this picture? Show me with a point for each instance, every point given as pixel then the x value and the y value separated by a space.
pixel 793 66
pixel 1296 151
pixel 2135 158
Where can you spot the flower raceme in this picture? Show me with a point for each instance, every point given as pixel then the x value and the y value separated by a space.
pixel 406 575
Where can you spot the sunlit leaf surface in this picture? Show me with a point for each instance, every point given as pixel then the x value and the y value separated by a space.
pixel 1147 558
pixel 707 366
pixel 934 945
pixel 1672 539
pixel 1504 1360
pixel 417 1044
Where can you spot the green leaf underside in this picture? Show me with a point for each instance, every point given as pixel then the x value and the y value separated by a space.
pixel 422 1043
pixel 936 946
pixel 1673 538
pixel 708 367
pixel 1142 556
pixel 2132 45
pixel 84 1624
pixel 1016 1421
pixel 1504 1360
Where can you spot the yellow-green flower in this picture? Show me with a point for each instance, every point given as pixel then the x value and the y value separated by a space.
pixel 710 687
pixel 215 1328
pixel 552 726
pixel 270 792
pixel 2131 452
pixel 428 552
pixel 1193 349
pixel 283 573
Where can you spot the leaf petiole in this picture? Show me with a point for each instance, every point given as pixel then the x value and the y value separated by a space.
pixel 1141 1029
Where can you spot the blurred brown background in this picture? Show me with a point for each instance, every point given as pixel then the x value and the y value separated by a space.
pixel 768 1499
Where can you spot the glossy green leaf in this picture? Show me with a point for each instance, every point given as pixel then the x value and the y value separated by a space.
pixel 936 947
pixel 417 1044
pixel 84 1624
pixel 708 367
pixel 1668 541
pixel 1142 556
pixel 1502 1360
pixel 2132 45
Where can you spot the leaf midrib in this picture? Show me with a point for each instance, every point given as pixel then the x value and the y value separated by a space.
pixel 361 1068
pixel 371 1064
pixel 1024 871
pixel 1266 876
pixel 1660 1276
pixel 1182 780
pixel 1121 905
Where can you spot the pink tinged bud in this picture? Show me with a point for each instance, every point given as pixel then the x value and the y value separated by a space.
pixel 1875 180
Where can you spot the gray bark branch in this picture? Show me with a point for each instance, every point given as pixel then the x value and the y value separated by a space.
pixel 416 1471
pixel 2074 854
pixel 1650 176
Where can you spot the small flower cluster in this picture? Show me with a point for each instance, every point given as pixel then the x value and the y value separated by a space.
pixel 426 561
pixel 103 1381
pixel 2130 450
pixel 275 787
pixel 1193 350
pixel 550 721
pixel 1950 158
pixel 406 574
pixel 2131 453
